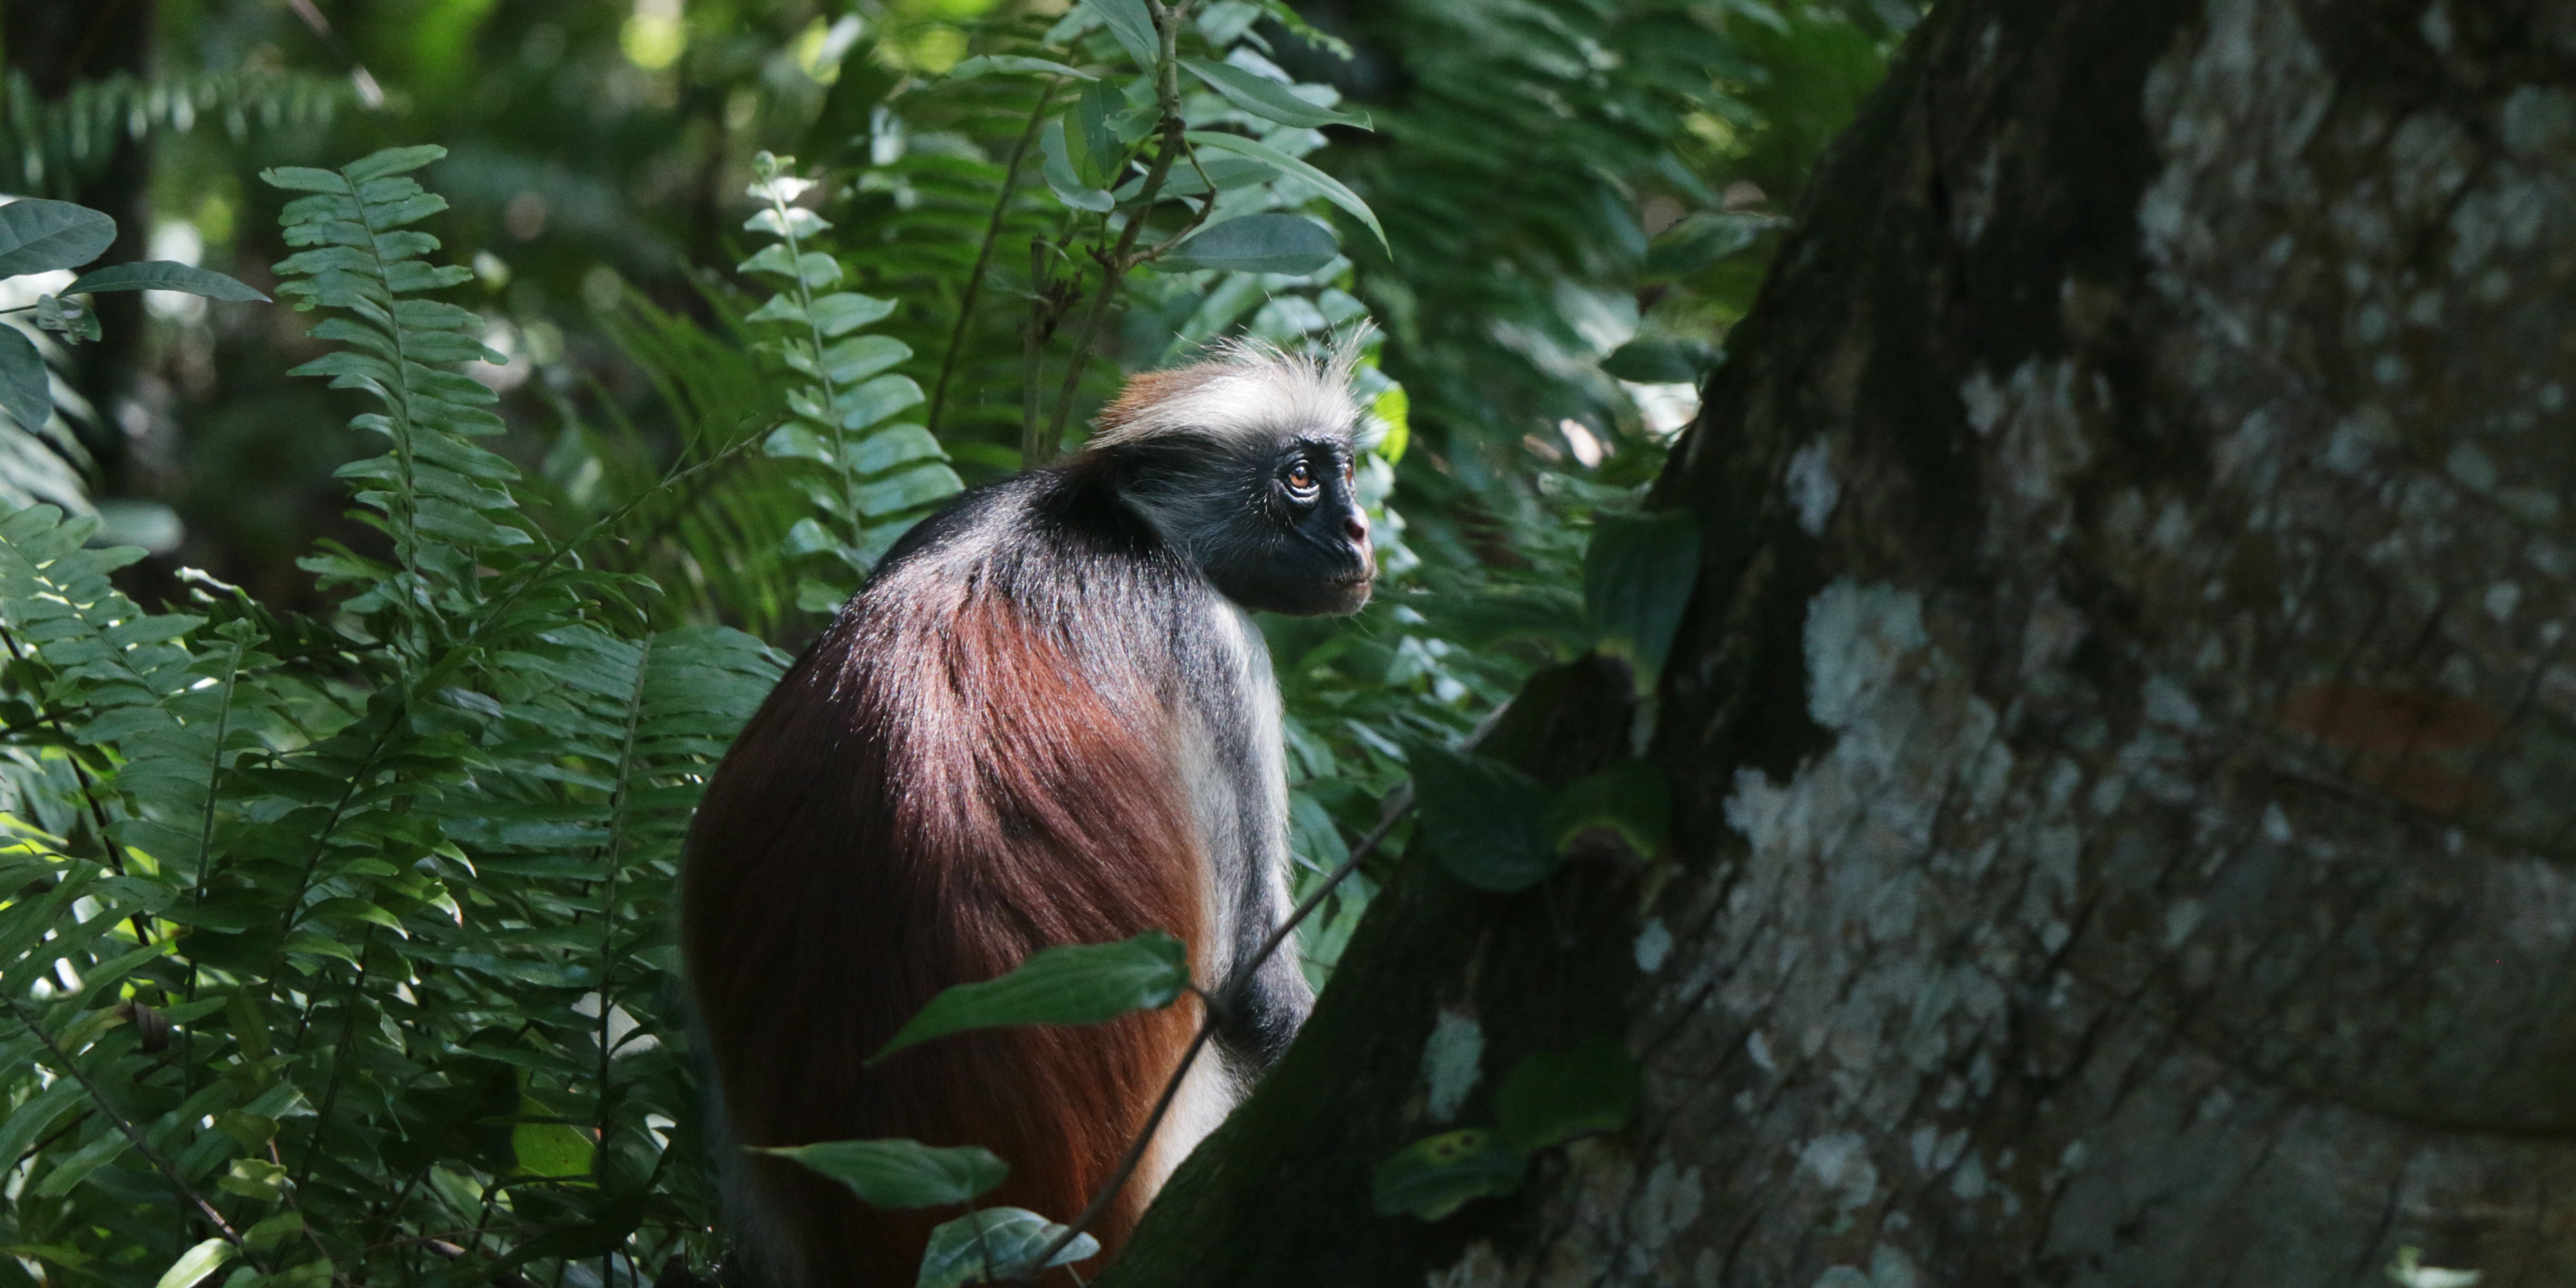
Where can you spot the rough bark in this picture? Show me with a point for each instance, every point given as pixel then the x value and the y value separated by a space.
pixel 2123 739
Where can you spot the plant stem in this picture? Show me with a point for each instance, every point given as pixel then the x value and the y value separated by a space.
pixel 168 1173
pixel 984 257
pixel 822 366
pixel 1113 268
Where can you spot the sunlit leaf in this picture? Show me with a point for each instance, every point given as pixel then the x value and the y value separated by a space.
pixel 195 1264
pixel 995 64
pixel 552 1149
pixel 1267 98
pixel 1333 189
pixel 1133 27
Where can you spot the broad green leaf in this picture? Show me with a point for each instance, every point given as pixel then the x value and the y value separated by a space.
pixel 254 1178
pixel 1072 984
pixel 70 1170
pixel 32 1116
pixel 392 161
pixel 1193 176
pixel 303 178
pixel 907 490
pixel 274 1229
pixel 552 1149
pixel 66 318
pixel 1637 579
pixel 24 389
pixel 1702 240
pixel 902 1173
pixel 1434 1177
pixel 995 1246
pixel 1133 27
pixel 37 235
pixel 797 222
pixel 878 399
pixel 1090 143
pixel 1263 243
pixel 1269 99
pixel 1060 175
pixel 1552 1096
pixel 861 356
pixel 842 312
pixel 1485 820
pixel 892 446
pixel 1630 798
pixel 994 64
pixel 163 275
pixel 1661 361
pixel 195 1264
pixel 813 269
pixel 780 308
pixel 1332 188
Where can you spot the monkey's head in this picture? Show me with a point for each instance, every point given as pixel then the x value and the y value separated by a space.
pixel 1245 464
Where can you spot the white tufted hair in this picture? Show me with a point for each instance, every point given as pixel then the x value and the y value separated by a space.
pixel 1245 389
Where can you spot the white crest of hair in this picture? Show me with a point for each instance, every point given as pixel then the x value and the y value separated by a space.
pixel 1244 390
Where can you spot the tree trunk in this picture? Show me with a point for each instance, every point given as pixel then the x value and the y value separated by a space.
pixel 2123 746
pixel 57 45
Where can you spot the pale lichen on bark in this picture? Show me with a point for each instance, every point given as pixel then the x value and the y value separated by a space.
pixel 2185 893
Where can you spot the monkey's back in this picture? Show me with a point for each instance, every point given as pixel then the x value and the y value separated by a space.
pixel 971 763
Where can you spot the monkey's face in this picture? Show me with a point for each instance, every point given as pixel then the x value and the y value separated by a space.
pixel 1275 526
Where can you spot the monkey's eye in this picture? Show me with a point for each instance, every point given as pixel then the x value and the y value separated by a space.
pixel 1300 479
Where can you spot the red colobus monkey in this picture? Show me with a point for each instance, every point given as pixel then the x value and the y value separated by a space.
pixel 1046 719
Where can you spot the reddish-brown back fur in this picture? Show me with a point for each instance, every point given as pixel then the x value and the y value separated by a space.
pixel 945 783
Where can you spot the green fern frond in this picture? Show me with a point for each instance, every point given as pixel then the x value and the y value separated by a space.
pixel 47 147
pixel 444 501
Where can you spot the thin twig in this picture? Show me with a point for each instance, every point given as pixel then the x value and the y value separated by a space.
pixel 1113 268
pixel 133 1136
pixel 984 256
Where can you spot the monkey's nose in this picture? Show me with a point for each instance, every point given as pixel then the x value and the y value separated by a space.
pixel 1357 528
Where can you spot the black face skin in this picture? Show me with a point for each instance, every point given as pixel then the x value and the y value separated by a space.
pixel 1302 544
